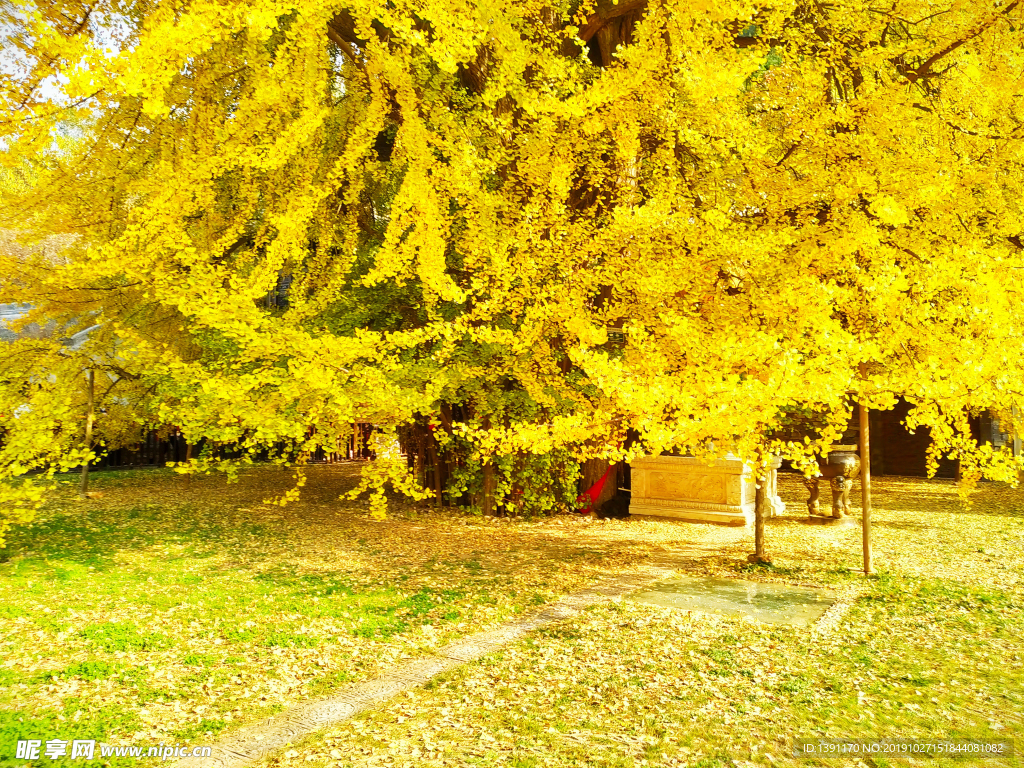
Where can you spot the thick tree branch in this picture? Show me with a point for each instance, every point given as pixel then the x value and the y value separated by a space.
pixel 923 71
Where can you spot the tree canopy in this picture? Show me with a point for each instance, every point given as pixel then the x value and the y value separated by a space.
pixel 525 227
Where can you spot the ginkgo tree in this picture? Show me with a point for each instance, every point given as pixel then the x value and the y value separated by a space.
pixel 516 230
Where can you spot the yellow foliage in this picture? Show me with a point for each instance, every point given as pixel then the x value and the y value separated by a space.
pixel 469 196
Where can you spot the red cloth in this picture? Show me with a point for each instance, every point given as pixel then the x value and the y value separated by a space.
pixel 591 495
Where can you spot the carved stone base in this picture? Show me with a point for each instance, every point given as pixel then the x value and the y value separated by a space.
pixel 689 489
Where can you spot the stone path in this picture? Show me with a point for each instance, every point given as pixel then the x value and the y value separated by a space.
pixel 252 743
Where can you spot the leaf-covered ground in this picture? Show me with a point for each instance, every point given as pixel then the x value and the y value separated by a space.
pixel 167 612
pixel 932 648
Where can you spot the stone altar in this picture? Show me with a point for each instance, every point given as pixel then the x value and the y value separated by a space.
pixel 687 488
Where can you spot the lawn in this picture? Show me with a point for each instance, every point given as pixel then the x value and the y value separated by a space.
pixel 167 612
pixel 931 648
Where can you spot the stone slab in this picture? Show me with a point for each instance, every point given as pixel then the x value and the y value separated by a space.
pixel 766 602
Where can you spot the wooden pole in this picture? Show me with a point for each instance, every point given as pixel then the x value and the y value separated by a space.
pixel 90 416
pixel 865 488
pixel 759 496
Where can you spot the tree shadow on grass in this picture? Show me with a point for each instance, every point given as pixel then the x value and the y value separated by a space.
pixel 94 540
pixel 136 510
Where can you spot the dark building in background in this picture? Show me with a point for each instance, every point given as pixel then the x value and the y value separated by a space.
pixel 896 451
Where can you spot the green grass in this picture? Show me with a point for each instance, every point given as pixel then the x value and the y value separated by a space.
pixel 914 658
pixel 75 719
pixel 930 648
pixel 179 611
pixel 166 612
pixel 231 618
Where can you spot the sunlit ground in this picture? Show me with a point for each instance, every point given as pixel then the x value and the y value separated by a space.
pixel 168 612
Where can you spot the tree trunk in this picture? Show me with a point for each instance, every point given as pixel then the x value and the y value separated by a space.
pixel 436 464
pixel 487 502
pixel 760 508
pixel 593 470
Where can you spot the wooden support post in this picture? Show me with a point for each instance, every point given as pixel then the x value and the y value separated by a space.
pixel 759 497
pixel 90 416
pixel 865 488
